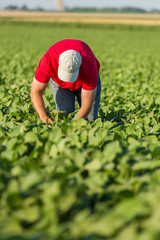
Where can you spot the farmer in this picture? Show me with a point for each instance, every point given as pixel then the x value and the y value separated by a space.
pixel 73 71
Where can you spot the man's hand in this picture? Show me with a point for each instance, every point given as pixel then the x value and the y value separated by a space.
pixel 87 99
pixel 37 89
pixel 44 120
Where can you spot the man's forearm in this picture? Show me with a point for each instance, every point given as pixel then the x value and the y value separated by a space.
pixel 38 104
pixel 83 113
pixel 87 98
pixel 37 89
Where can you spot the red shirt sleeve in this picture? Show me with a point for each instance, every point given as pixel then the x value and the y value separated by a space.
pixel 91 76
pixel 42 74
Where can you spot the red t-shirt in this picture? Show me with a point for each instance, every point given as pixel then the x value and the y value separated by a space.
pixel 89 69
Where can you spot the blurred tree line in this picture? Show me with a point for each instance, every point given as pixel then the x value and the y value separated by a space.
pixel 23 8
pixel 112 10
pixel 92 9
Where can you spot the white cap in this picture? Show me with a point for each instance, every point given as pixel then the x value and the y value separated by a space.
pixel 69 64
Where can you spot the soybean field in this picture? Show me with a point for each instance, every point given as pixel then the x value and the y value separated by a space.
pixel 79 180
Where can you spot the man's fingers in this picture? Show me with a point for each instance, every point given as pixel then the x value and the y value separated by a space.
pixel 47 120
pixel 50 121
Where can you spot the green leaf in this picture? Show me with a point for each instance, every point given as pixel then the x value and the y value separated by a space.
pixel 156 152
pixel 30 137
pixel 30 180
pixel 144 165
pixel 111 150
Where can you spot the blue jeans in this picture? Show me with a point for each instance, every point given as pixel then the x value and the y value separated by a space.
pixel 65 99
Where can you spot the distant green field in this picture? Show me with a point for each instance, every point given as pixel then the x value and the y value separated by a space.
pixel 77 179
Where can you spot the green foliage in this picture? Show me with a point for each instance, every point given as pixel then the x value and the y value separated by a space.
pixel 110 10
pixel 78 179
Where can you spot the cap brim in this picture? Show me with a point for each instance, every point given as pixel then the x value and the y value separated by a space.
pixel 67 77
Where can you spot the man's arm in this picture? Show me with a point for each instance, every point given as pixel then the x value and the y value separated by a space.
pixel 37 89
pixel 87 99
